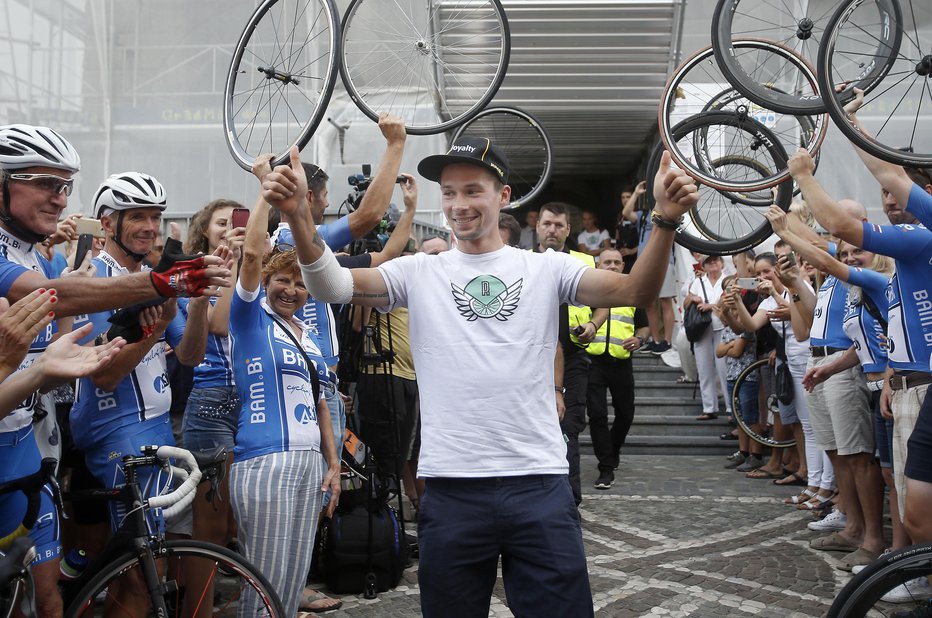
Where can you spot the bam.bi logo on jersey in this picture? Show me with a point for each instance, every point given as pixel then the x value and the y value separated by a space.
pixel 487 296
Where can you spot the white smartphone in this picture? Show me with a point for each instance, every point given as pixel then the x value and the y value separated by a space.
pixel 747 283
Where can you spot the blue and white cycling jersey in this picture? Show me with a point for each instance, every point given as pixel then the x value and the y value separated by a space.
pixel 861 327
pixel 144 394
pixel 279 412
pixel 18 257
pixel 217 367
pixel 315 314
pixel 829 314
pixel 910 305
pixel 920 205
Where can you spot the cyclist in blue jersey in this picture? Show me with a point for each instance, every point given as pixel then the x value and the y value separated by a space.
pixel 847 432
pixel 124 407
pixel 283 430
pixel 909 318
pixel 37 167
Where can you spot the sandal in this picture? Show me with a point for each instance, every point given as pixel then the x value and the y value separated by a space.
pixel 799 499
pixel 792 479
pixel 760 473
pixel 816 503
pixel 684 380
pixel 317 602
pixel 707 416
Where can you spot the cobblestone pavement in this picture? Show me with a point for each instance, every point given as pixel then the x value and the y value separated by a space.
pixel 680 536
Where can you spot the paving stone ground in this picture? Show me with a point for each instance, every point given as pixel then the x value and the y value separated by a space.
pixel 680 536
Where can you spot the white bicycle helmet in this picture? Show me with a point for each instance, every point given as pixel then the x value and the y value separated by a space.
pixel 128 190
pixel 23 145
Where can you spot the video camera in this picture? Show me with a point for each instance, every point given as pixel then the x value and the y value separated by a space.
pixel 360 183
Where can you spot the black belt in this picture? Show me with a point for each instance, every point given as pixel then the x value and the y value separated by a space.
pixel 818 351
pixel 902 381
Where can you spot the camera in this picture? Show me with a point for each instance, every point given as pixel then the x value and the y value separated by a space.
pixel 360 184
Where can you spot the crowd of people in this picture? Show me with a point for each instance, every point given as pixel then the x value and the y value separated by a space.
pixel 449 391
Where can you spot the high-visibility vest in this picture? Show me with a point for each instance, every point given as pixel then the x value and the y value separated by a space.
pixel 579 315
pixel 618 327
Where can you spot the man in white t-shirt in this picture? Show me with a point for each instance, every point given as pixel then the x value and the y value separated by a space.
pixel 483 326
pixel 592 239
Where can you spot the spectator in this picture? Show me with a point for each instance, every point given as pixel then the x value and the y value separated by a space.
pixel 499 319
pixel 432 245
pixel 592 239
pixel 611 370
pixel 705 292
pixel 509 229
pixel 283 434
pixel 626 227
pixel 529 238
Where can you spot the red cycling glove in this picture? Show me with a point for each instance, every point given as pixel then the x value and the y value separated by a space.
pixel 178 274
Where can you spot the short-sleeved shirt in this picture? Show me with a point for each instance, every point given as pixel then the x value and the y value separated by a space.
pixel 829 315
pixel 862 328
pixel 279 413
pixel 734 366
pixel 315 314
pixel 709 293
pixel 216 370
pixel 910 303
pixel 144 395
pixel 16 258
pixel 784 329
pixel 483 334
pixel 592 240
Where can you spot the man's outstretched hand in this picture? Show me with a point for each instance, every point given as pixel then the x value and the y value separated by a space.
pixel 179 274
pixel 674 191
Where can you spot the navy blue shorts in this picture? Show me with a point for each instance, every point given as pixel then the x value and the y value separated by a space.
pixel 883 433
pixel 20 456
pixel 919 448
pixel 530 521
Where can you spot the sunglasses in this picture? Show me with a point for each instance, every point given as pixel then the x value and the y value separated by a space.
pixel 282 247
pixel 47 182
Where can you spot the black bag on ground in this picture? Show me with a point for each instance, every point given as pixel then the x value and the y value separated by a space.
pixel 343 544
pixel 697 322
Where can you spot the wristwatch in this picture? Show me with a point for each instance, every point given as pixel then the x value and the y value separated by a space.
pixel 560 389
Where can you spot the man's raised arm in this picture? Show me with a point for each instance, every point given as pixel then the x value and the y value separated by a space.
pixel 675 193
pixel 379 194
pixel 285 187
pixel 826 210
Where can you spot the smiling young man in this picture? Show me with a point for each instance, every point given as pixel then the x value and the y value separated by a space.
pixel 483 320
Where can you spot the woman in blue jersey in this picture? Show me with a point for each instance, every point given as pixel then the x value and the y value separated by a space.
pixel 276 481
pixel 213 406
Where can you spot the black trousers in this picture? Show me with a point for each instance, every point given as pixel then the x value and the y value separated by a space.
pixel 614 375
pixel 575 379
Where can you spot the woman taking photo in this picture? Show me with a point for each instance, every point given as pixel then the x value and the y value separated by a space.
pixel 213 406
pixel 276 481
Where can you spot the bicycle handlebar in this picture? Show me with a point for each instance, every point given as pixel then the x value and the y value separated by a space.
pixel 31 486
pixel 176 501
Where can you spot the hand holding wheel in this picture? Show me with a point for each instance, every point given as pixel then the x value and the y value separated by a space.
pixel 675 192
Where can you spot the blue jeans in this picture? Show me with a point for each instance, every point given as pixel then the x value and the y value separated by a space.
pixel 464 525
pixel 747 400
pixel 210 418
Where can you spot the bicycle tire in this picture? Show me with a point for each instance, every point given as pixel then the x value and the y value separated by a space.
pixel 744 199
pixel 786 102
pixel 707 89
pixel 422 69
pixel 279 67
pixel 807 128
pixel 85 599
pixel 771 403
pixel 906 56
pixel 756 230
pixel 525 142
pixel 863 592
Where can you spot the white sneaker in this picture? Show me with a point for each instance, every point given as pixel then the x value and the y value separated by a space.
pixel 913 590
pixel 834 521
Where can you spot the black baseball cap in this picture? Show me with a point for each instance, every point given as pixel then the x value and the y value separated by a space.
pixel 473 150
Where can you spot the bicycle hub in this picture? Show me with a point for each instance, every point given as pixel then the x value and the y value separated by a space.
pixel 271 73
pixel 924 67
pixel 804 29
pixel 422 46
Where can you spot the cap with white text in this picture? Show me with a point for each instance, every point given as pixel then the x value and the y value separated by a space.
pixel 472 150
